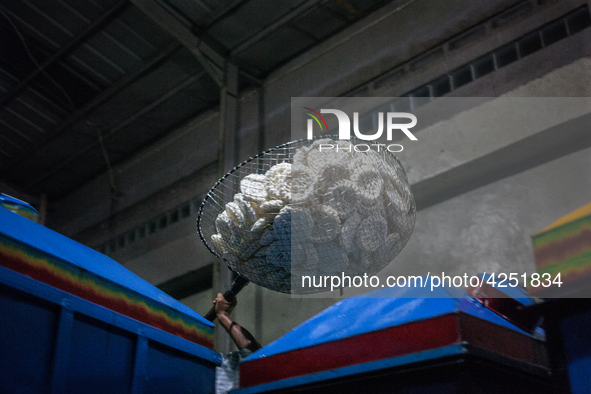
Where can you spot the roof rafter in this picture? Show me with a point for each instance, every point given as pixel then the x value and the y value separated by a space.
pixel 213 62
pixel 279 22
pixel 69 46
pixel 101 98
pixel 128 120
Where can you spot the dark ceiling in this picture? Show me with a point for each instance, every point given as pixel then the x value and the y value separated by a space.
pixel 84 84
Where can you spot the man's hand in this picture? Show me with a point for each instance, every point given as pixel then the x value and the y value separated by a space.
pixel 223 307
pixel 240 335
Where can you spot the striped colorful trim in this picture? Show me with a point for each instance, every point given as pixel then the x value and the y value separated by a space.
pixel 565 249
pixel 22 210
pixel 79 282
pixel 578 213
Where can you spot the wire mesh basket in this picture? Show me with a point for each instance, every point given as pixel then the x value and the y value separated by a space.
pixel 309 208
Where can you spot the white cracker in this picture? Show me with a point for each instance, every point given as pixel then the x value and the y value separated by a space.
pixel 375 208
pixel 302 222
pixel 333 172
pixel 370 183
pixel 256 206
pixel 247 249
pixel 300 157
pixel 278 182
pixel 302 184
pixel 394 199
pixel 258 227
pixel 219 244
pixel 247 209
pixel 327 224
pixel 360 159
pixel 343 196
pixel 304 257
pixel 268 236
pixel 282 223
pixel 279 254
pixel 333 257
pixel 396 207
pixel 387 168
pixel 371 233
pixel 252 187
pixel 348 233
pixel 236 215
pixel 228 230
pixel 317 159
pixel 346 147
pixel 272 206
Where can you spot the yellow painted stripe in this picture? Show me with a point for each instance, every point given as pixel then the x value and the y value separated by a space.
pixel 585 210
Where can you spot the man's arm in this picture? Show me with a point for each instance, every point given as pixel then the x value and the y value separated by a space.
pixel 240 335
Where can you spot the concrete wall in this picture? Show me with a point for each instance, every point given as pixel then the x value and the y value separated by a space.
pixel 489 229
pixel 475 207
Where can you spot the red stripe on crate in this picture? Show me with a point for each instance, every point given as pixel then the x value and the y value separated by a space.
pixel 373 346
pixel 502 340
pixel 505 306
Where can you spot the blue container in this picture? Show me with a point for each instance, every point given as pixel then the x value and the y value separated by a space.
pixel 567 322
pixel 55 341
pixel 400 340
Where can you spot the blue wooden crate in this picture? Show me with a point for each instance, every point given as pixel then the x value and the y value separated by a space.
pixel 56 341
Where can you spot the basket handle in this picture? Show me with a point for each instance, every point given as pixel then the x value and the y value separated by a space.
pixel 229 295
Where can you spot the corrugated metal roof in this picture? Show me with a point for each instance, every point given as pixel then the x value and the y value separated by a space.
pixel 71 70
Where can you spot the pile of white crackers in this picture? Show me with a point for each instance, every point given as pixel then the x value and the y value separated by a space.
pixel 325 212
